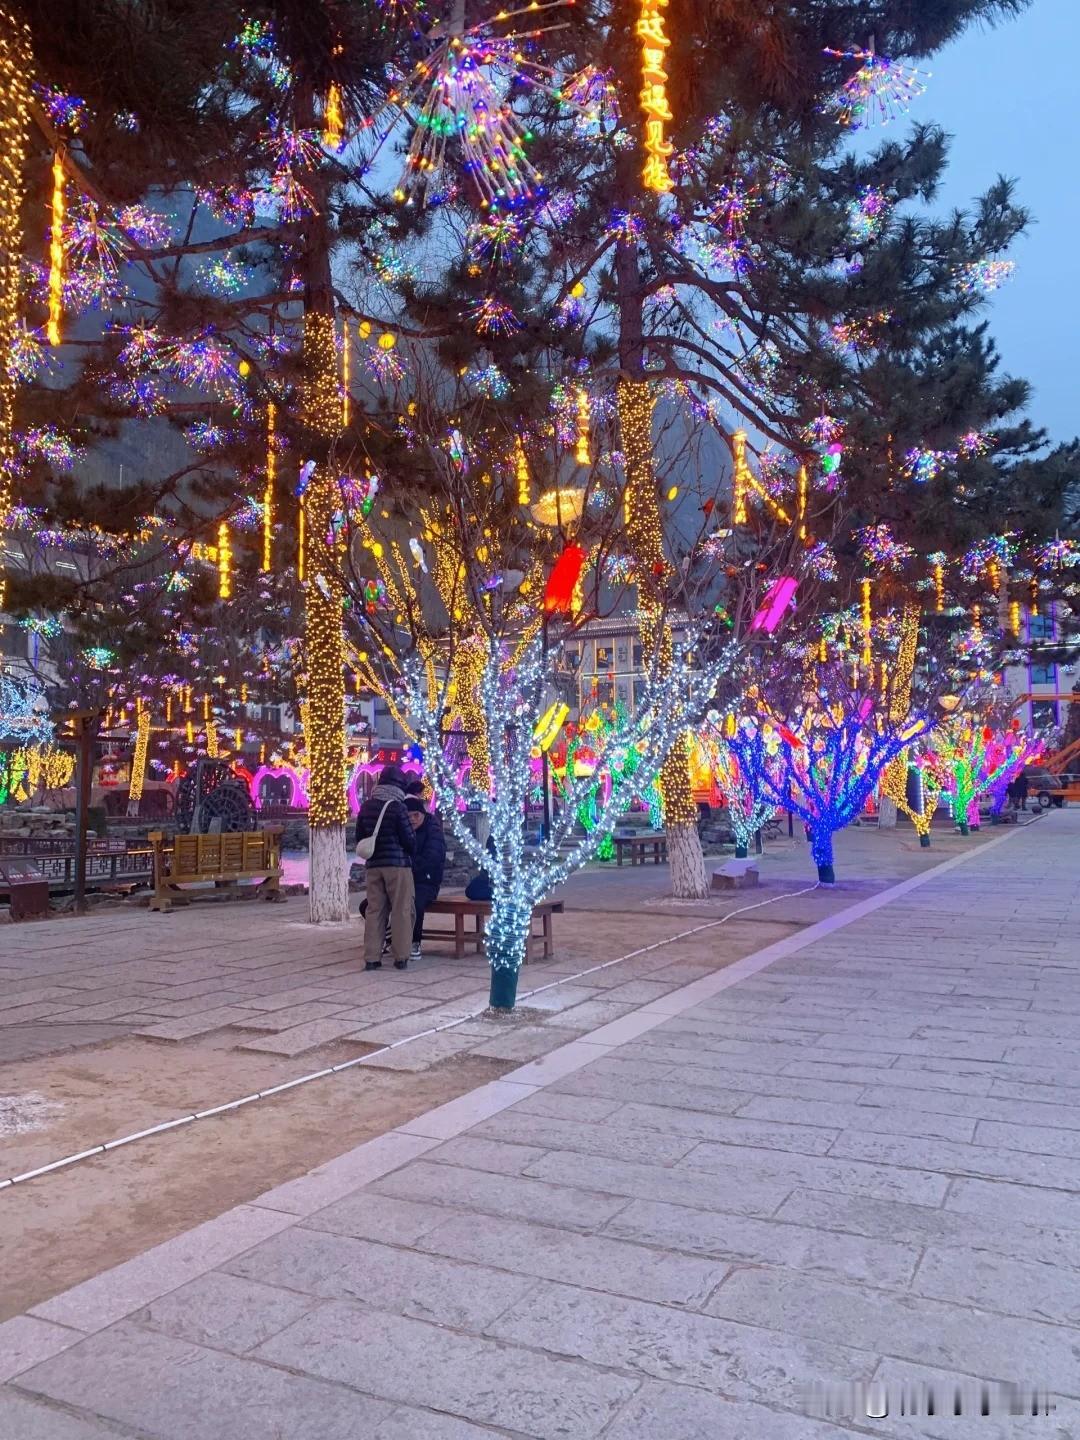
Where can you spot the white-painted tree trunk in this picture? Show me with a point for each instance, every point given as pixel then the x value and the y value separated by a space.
pixel 887 814
pixel 328 878
pixel 688 878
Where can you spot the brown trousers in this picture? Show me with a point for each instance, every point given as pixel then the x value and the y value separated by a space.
pixel 390 901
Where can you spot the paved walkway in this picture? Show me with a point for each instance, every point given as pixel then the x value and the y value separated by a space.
pixel 853 1157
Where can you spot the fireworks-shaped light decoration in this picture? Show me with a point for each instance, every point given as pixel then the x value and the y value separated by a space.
pixel 823 430
pixel 983 277
pixel 1058 554
pixel 462 90
pixel 923 466
pixel 56 252
pixel 498 238
pixel 880 89
pixel 24 711
pixel 880 550
pixel 657 114
pixel 973 445
pixel 492 316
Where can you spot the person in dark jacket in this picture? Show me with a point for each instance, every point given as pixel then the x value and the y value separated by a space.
pixel 480 886
pixel 416 787
pixel 428 864
pixel 390 899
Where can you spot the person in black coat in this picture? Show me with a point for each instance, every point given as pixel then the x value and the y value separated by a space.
pixel 480 886
pixel 429 862
pixel 389 875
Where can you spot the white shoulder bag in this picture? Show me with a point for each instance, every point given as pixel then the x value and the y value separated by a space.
pixel 365 849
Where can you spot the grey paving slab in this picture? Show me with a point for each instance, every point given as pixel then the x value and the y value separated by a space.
pixel 384 1277
pixel 25 1417
pixel 668 1344
pixel 479 1379
pixel 224 1312
pixel 173 1390
pixel 678 1411
pixel 26 1339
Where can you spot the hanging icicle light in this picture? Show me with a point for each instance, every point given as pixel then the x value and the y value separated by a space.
pixel 739 478
pixel 581 454
pixel 867 626
pixel 333 131
pixel 224 560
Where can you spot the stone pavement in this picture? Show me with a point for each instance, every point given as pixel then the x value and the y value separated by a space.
pixel 852 1157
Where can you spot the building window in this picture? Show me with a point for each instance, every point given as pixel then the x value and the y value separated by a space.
pixel 621 652
pixel 1044 674
pixel 603 657
pixel 1041 627
pixel 639 655
pixel 605 693
pixel 1044 715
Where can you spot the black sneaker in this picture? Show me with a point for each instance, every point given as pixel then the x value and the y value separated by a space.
pixel 414 953
pixel 401 964
pixel 372 964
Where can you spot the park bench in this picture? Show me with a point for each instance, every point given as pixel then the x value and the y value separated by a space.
pixel 218 860
pixel 638 846
pixel 461 909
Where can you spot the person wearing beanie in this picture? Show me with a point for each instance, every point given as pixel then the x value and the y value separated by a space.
pixel 429 862
pixel 389 873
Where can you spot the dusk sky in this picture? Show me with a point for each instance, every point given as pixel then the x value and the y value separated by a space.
pixel 1007 95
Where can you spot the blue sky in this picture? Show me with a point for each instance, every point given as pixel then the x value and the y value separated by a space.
pixel 1008 97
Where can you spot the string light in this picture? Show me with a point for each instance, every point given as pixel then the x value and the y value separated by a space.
pixel 268 490
pixel 802 483
pixel 1014 618
pixel 867 626
pixel 653 95
pixel 581 454
pixel 213 747
pixel 224 560
pixel 56 252
pixel 138 759
pixel 15 66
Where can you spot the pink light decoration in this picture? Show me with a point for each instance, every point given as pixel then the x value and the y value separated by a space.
pixel 373 768
pixel 779 598
pixel 298 798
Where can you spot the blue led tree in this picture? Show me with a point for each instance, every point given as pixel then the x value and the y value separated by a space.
pixel 825 764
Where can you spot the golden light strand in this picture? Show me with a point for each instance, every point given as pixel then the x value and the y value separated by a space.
pixel 206 707
pixel 653 95
pixel 581 454
pixel 138 760
pixel 867 626
pixel 56 252
pixel 213 748
pixel 15 64
pixel 268 490
pixel 802 492
pixel 1014 618
pixel 740 475
pixel 224 561
pixel 301 540
pixel 939 587
pixel 238 739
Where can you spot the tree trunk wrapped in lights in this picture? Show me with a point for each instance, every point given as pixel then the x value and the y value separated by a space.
pixel 913 788
pixel 514 703
pixel 15 62
pixel 645 542
pixel 747 808
pixel 325 648
pixel 974 761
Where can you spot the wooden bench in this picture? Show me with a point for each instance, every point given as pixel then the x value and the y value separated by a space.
pixel 638 846
pixel 218 860
pixel 461 908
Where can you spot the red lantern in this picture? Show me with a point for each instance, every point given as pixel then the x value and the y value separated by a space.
pixel 562 582
pixel 988 734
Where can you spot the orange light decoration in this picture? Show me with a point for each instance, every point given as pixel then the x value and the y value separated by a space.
pixel 213 748
pixel 867 626
pixel 939 588
pixel 268 490
pixel 333 131
pixel 56 252
pixel 581 455
pixel 138 761
pixel 1014 617
pixel 801 495
pixel 168 708
pixel 238 739
pixel 1033 606
pixel 206 707
pixel 653 95
pixel 224 559
pixel 301 541
pixel 190 733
